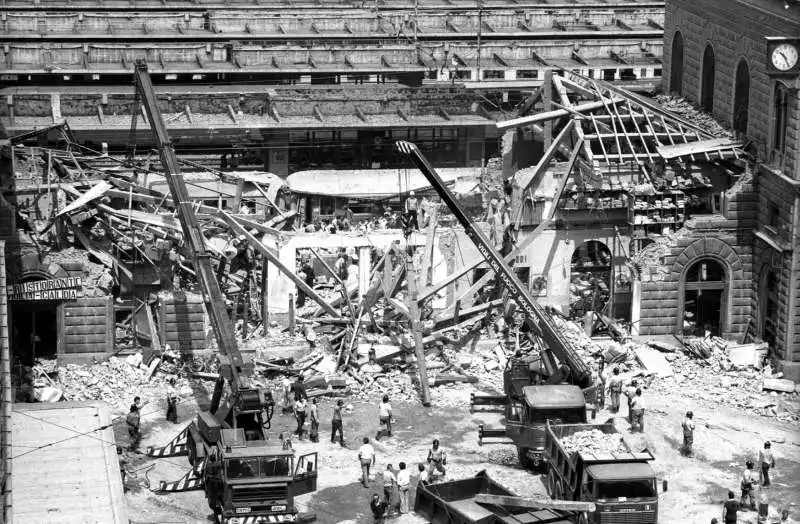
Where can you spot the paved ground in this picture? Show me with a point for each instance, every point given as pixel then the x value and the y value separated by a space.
pixel 696 486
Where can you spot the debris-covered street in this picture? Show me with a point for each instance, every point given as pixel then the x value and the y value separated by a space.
pixel 446 261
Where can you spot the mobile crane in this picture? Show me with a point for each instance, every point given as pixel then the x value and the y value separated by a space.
pixel 246 477
pixel 528 402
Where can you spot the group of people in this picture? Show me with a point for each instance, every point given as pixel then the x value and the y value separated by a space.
pixel 399 486
pixel 752 476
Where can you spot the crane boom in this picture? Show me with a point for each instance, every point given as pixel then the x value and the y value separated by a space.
pixel 535 315
pixel 230 357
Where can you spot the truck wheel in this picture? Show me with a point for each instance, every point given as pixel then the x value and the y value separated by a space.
pixel 524 459
pixel 552 484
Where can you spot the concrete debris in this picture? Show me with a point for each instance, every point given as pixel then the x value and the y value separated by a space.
pixel 779 384
pixel 594 442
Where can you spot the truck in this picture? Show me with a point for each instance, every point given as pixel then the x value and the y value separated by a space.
pixel 621 484
pixel 525 420
pixel 456 502
pixel 558 365
pixel 246 477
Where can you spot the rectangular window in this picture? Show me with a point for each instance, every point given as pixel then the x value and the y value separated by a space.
pixel 493 74
pixel 462 74
pixel 608 75
pixel 773 216
pixel 524 74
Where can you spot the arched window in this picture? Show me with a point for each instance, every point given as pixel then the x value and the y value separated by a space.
pixel 676 64
pixel 707 81
pixel 704 298
pixel 741 97
pixel 780 112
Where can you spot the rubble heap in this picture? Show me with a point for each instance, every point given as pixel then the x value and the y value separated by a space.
pixel 594 442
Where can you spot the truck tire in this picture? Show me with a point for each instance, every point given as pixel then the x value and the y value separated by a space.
pixel 524 459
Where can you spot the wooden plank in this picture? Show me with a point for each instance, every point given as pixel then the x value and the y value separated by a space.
pixel 557 113
pixel 639 132
pixel 273 257
pixel 427 257
pixel 155 343
pixel 91 329
pixel 533 503
pixel 341 284
pixel 701 146
pixel 562 92
pixel 88 339
pixel 452 277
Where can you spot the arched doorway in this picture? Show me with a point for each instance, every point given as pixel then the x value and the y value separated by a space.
pixel 707 80
pixel 676 64
pixel 705 288
pixel 768 302
pixel 741 97
pixel 590 278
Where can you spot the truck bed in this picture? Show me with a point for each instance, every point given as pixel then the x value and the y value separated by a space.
pixel 562 431
pixel 454 502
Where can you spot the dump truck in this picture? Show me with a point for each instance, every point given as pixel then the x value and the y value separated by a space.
pixel 620 482
pixel 525 420
pixel 458 502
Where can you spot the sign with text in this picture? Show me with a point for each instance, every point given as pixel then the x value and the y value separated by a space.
pixel 52 289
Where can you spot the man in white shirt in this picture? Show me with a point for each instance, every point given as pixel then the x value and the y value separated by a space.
pixel 366 455
pixel 403 483
pixel 385 414
pixel 637 409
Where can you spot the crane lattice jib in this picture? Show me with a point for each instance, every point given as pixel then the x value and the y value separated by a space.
pixel 212 294
pixel 535 315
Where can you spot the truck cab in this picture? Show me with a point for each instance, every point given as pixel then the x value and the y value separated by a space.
pixel 526 420
pixel 621 492
pixel 249 480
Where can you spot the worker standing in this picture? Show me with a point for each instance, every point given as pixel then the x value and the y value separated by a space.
pixel 637 409
pixel 172 402
pixel 767 460
pixel 614 389
pixel 366 455
pixel 412 210
pixel 300 415
pixel 133 420
pixel 308 275
pixel 688 433
pixel 385 418
pixel 403 484
pixel 729 509
pixel 630 393
pixel 336 423
pixel 313 416
pixel 748 483
pixel 389 483
pixel 437 459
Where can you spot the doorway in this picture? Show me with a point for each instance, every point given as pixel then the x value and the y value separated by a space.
pixel 676 69
pixel 34 330
pixel 704 298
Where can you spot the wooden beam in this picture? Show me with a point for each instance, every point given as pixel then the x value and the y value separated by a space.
pixel 639 131
pixel 562 92
pixel 273 257
pixel 551 115
pixel 452 277
pixel 427 257
pixel 534 503
pixel 546 157
pixel 343 287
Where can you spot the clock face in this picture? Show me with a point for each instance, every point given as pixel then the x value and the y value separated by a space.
pixel 784 57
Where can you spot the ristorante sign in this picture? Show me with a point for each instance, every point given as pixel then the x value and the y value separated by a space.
pixel 52 289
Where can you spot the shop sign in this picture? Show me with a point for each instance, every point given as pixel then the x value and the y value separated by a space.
pixel 52 289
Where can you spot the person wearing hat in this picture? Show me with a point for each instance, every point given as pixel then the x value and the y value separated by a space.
pixel 688 433
pixel 767 461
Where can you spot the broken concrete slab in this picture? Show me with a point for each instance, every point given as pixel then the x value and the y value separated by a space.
pixel 746 355
pixel 778 384
pixel 653 361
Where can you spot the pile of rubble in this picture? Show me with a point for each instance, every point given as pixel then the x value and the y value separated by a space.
pixel 594 442
pixel 116 381
pixel 683 108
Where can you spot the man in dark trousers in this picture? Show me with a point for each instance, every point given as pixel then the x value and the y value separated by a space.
pixel 336 423
pixel 133 420
pixel 172 402
pixel 767 460
pixel 748 486
pixel 688 434
pixel 313 416
pixel 729 509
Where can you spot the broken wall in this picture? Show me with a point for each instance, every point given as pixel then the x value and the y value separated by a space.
pixel 88 329
pixel 663 273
